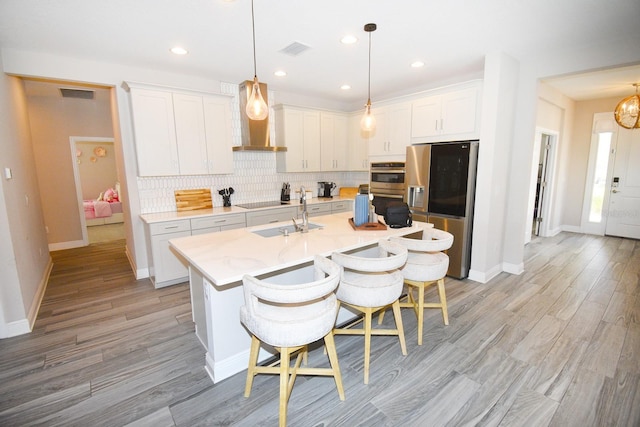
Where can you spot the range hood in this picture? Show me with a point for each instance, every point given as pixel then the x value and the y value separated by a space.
pixel 255 133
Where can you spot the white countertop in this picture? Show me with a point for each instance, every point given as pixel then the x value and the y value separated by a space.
pixel 151 218
pixel 224 257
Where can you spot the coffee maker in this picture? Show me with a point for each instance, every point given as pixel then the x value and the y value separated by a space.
pixel 324 189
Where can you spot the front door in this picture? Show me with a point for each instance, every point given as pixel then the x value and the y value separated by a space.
pixel 623 213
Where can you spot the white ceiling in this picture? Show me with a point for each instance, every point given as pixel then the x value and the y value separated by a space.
pixel 451 37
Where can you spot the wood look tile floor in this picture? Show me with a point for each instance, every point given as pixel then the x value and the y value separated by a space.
pixel 558 345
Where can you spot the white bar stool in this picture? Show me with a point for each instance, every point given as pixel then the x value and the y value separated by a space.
pixel 426 265
pixel 288 317
pixel 368 285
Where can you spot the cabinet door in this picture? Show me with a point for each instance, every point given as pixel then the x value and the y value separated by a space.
pixel 340 143
pixel 399 128
pixel 333 142
pixel 290 133
pixel 378 139
pixel 425 117
pixel 311 138
pixel 217 123
pixel 459 112
pixel 168 268
pixel 327 125
pixel 154 132
pixel 190 134
pixel 358 145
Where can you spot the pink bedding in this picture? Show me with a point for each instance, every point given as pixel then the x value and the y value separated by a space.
pixel 95 209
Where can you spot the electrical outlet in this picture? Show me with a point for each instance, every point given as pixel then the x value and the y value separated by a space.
pixel 46 228
pixel 26 199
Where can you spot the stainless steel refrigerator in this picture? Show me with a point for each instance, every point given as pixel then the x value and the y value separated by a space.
pixel 440 183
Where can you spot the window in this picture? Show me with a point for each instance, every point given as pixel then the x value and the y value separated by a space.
pixel 600 176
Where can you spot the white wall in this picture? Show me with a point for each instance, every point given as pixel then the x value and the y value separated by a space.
pixel 24 257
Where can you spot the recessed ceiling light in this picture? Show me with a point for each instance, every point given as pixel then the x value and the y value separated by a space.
pixel 179 50
pixel 417 64
pixel 345 87
pixel 280 73
pixel 349 39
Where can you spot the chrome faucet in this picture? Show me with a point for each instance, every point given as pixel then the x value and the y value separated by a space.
pixel 304 228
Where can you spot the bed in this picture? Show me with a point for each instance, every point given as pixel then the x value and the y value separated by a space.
pixel 107 209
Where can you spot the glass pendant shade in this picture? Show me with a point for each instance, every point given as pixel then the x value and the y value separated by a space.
pixel 626 112
pixel 368 121
pixel 257 109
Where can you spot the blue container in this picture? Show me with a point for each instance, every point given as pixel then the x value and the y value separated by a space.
pixel 361 210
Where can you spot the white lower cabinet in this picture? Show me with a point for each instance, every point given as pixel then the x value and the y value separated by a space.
pixel 316 209
pixel 268 216
pixel 217 223
pixel 342 206
pixel 165 267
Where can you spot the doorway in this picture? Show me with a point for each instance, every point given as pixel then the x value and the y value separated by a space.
pixel 541 179
pixel 96 180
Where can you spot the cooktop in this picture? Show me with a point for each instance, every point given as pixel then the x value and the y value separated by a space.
pixel 266 204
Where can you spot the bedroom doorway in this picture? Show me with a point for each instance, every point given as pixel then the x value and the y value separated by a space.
pixel 97 188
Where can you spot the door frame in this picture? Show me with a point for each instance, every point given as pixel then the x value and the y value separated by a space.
pixel 73 140
pixel 544 229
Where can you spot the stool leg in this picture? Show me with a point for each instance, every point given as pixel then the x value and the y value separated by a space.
pixel 330 346
pixel 253 360
pixel 398 317
pixel 285 360
pixel 367 342
pixel 420 312
pixel 443 301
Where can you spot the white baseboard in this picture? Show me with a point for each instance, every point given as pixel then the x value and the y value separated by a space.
pixel 570 228
pixel 39 296
pixel 141 273
pixel 516 269
pixel 66 245
pixel 25 326
pixel 230 366
pixel 484 276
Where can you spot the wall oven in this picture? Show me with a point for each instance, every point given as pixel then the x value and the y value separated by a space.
pixel 387 184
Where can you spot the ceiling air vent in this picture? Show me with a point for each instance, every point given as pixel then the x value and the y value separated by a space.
pixel 295 49
pixel 76 93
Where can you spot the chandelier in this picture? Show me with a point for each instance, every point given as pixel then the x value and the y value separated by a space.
pixel 626 112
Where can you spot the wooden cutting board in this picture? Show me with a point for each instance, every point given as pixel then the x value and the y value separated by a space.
pixel 190 200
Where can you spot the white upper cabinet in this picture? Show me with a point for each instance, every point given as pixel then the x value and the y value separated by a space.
pixel 448 116
pixel 179 132
pixel 393 130
pixel 333 142
pixel 154 132
pixel 299 130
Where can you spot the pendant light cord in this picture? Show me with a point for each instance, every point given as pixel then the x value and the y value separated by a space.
pixel 369 87
pixel 253 30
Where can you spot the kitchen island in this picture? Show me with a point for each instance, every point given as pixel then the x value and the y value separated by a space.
pixel 217 262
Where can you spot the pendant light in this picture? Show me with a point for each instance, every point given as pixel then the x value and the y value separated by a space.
pixel 626 112
pixel 256 109
pixel 368 122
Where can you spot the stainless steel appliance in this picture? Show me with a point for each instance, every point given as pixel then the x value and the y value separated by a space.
pixel 387 184
pixel 440 189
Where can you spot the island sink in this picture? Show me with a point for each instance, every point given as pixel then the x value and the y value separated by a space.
pixel 282 230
